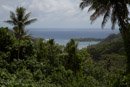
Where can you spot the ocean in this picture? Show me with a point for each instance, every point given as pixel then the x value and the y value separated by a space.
pixel 63 37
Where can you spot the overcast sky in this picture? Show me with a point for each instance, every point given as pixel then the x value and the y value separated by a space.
pixel 52 13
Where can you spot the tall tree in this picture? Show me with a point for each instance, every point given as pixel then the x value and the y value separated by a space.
pixel 72 59
pixel 117 10
pixel 19 19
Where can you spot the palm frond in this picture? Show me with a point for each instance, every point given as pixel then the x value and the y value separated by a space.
pixel 90 9
pixel 113 18
pixel 20 12
pixel 106 17
pixel 85 3
pixel 116 9
pixel 13 17
pixel 30 21
pixel 96 14
pixel 26 17
pixel 10 22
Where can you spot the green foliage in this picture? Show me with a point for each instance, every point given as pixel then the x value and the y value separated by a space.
pixel 72 60
pixel 6 39
pixel 26 49
pixel 46 64
pixel 110 45
pixel 118 11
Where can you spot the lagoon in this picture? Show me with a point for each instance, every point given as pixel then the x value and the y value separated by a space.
pixel 80 44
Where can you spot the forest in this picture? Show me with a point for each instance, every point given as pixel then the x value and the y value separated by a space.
pixel 44 63
pixel 26 61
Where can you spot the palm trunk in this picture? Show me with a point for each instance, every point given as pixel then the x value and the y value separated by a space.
pixel 18 47
pixel 125 33
pixel 19 43
pixel 126 37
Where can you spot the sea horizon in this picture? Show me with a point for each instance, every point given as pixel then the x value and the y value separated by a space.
pixel 62 37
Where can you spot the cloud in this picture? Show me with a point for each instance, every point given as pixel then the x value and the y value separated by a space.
pixel 51 13
pixel 8 8
pixel 63 7
pixel 58 13
pixel 51 5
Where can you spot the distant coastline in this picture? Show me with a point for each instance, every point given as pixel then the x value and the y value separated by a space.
pixel 66 35
pixel 87 39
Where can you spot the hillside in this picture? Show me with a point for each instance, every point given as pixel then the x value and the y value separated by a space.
pixel 113 44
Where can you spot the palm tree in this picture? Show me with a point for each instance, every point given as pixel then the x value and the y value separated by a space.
pixel 72 59
pixel 19 19
pixel 117 11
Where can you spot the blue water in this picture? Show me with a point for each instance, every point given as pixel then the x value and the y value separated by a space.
pixel 62 37
pixel 80 44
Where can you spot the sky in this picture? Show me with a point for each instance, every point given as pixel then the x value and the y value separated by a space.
pixel 54 14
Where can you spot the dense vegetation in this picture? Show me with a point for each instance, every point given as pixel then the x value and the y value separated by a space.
pixel 46 64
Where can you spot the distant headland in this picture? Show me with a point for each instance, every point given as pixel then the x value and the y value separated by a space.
pixel 87 39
